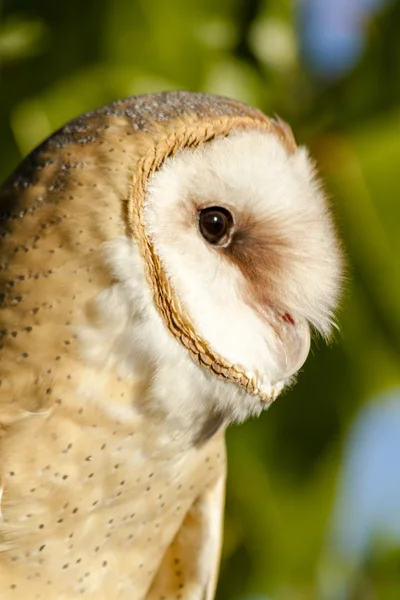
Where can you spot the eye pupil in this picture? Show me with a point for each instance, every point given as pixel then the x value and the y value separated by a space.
pixel 215 224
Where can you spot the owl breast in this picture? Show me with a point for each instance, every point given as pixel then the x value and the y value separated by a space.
pixel 94 504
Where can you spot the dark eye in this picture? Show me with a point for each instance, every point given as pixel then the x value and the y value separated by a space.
pixel 215 224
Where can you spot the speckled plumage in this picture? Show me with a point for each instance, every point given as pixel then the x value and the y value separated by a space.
pixel 87 509
pixel 103 497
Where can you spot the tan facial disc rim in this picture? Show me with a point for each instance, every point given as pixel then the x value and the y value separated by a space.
pixel 178 323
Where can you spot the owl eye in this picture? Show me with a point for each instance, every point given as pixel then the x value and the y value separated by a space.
pixel 215 224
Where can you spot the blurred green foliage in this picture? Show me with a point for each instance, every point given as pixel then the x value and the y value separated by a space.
pixel 60 59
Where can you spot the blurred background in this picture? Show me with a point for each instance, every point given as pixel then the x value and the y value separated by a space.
pixel 313 503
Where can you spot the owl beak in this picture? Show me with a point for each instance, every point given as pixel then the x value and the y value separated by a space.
pixel 293 346
pixel 288 342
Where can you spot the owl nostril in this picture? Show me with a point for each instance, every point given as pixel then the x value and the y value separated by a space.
pixel 288 319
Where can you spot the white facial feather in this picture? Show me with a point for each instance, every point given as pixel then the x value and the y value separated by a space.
pixel 248 173
pixel 252 174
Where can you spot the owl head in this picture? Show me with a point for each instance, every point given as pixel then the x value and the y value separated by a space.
pixel 240 262
pixel 229 258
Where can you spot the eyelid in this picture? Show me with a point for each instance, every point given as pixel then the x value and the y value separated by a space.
pixel 222 207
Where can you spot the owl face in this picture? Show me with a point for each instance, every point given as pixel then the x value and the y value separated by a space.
pixel 243 234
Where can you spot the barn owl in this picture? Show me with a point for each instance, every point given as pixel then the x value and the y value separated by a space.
pixel 163 260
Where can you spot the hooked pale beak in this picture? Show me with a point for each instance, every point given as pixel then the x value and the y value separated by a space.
pixel 293 341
